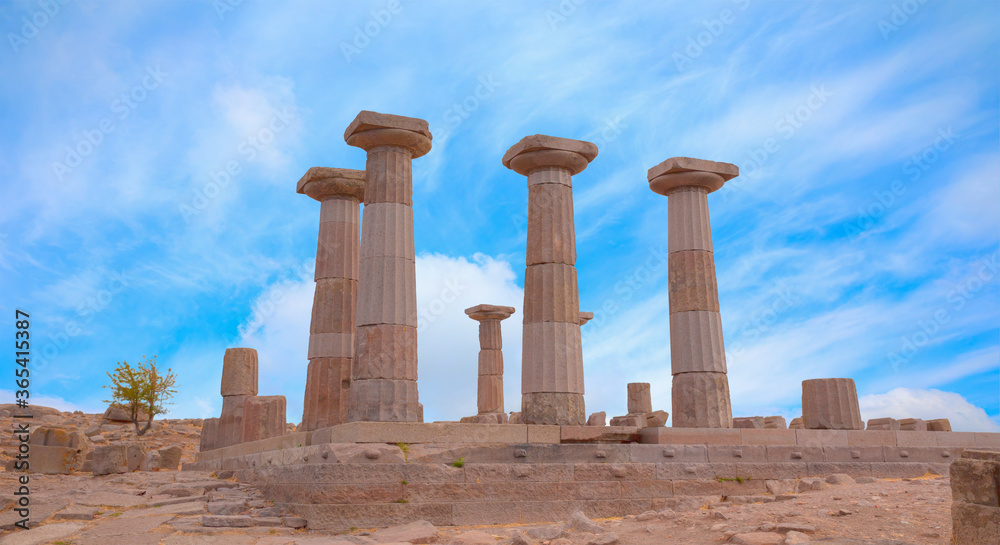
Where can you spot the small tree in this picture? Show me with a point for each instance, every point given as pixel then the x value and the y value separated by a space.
pixel 141 389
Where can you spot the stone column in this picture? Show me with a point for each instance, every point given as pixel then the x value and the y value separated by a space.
pixel 552 360
pixel 331 332
pixel 239 383
pixel 831 404
pixel 490 357
pixel 700 394
pixel 263 418
pixel 384 379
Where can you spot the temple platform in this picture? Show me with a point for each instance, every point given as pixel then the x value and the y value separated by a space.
pixel 377 474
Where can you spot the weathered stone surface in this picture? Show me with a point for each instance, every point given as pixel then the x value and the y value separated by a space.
pixel 748 422
pixel 170 458
pixel 328 381
pixel 701 400
pixel 639 399
pixel 678 172
pixel 912 424
pixel 239 372
pixel 110 459
pixel 796 424
pixel 552 359
pixel 656 419
pixel 226 521
pixel 758 538
pixel 263 418
pixel 117 413
pixel 209 435
pixel 383 400
pixel 598 419
pixel 55 460
pixel 231 421
pixel 323 183
pixel 830 404
pixel 883 424
pixel 420 531
pixel 58 437
pixel 541 151
pixel 939 424
pixel 553 408
pixel 599 434
pixel 975 481
pixel 775 423
pixel 973 524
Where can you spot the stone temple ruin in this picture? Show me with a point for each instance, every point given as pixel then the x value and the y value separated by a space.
pixel 363 456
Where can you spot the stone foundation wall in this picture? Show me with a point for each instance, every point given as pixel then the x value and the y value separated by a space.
pixel 342 485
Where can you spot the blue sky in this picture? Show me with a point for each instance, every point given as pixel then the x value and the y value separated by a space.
pixel 862 238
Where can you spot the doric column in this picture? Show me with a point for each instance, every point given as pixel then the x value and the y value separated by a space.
pixel 384 379
pixel 831 404
pixel 552 360
pixel 331 332
pixel 700 393
pixel 490 356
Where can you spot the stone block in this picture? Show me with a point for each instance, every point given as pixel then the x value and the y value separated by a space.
pixel 337 250
pixel 796 424
pixel 639 398
pixel 732 454
pixel 656 419
pixel 390 230
pixel 794 454
pixel 490 394
pixel 912 424
pixel 110 459
pixel 328 381
pixel 239 372
pixel 821 438
pixel 883 424
pixel 383 400
pixel 324 183
pixel 551 294
pixel 170 458
pixel 384 293
pixel 916 439
pixel 974 524
pixel 956 439
pixel 830 404
pixel 775 423
pixel 332 345
pixel 771 470
pixel 854 454
pixel 334 305
pixel 628 421
pixel 696 343
pixel 551 235
pixel 693 284
pixel 767 437
pixel 552 359
pixel 688 221
pixel 987 440
pixel 691 436
pixel 385 351
pixel 543 434
pixel 118 413
pixel 231 421
pixel 723 487
pixel 373 129
pixel 539 151
pixel 415 432
pixel 975 481
pixel 263 418
pixel 599 434
pixel 598 419
pixel 668 454
pixel 748 422
pixel 58 437
pixel 701 400
pixel 553 408
pixel 491 362
pixel 55 460
pixel 871 438
pixel 209 435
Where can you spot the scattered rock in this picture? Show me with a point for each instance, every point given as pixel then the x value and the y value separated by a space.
pixel 545 533
pixel 226 521
pixel 803 528
pixel 811 484
pixel 294 522
pixel 796 538
pixel 648 515
pixel 420 531
pixel 78 512
pixel 840 479
pixel 581 523
pixel 474 537
pixel 604 539
pixel 864 480
pixel 519 538
pixel 758 538
pixel 227 507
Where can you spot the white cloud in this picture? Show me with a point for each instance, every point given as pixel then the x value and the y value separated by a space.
pixel 927 404
pixel 57 403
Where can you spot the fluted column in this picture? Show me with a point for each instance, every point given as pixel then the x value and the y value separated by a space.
pixel 490 399
pixel 331 331
pixel 831 404
pixel 552 359
pixel 700 393
pixel 384 379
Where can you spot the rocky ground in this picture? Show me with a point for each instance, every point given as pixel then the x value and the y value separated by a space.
pixel 189 508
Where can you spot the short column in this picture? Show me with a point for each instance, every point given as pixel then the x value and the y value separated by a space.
pixel 831 404
pixel 700 393
pixel 384 379
pixel 490 356
pixel 239 383
pixel 552 359
pixel 331 331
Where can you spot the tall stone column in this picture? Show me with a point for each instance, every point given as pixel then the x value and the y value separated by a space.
pixel 700 394
pixel 331 332
pixel 490 356
pixel 552 358
pixel 384 379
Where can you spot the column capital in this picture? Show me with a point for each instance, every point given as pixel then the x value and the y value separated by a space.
pixel 687 172
pixel 372 129
pixel 540 151
pixel 322 183
pixel 489 312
